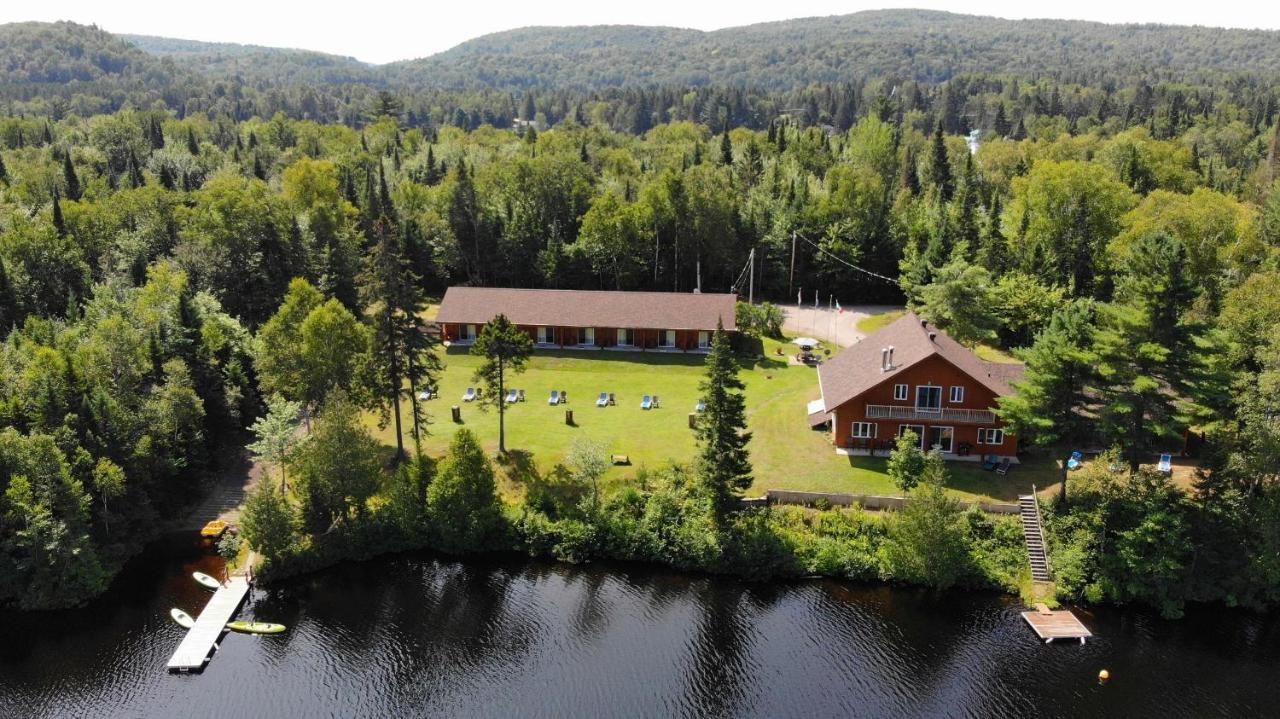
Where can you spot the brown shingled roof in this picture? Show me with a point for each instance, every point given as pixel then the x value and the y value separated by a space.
pixel 589 308
pixel 857 368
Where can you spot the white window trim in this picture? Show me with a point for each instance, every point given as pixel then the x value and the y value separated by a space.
pixel 918 406
pixel 984 435
pixel 875 430
pixel 957 389
pixel 952 448
pixel 901 392
pixel 704 340
pixel 590 333
pixel 630 333
pixel 662 338
pixel 921 434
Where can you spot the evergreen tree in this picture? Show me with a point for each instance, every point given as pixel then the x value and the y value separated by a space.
pixel 58 223
pixel 136 178
pixel 1050 403
pixel 1001 123
pixel 9 314
pixel 726 149
pixel 940 166
pixel 1150 356
pixel 4 171
pixel 505 348
pixel 70 181
pixel 193 147
pixel 724 466
pixel 463 498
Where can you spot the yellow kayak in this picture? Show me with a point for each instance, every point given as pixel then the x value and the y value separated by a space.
pixel 255 627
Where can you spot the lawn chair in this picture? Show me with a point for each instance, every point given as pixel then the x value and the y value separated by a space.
pixel 1166 464
pixel 990 463
pixel 701 406
pixel 612 400
pixel 554 398
pixel 1076 461
pixel 512 396
pixel 426 394
pixel 521 395
pixel 656 404
pixel 1004 466
pixel 646 402
pixel 564 397
pixel 470 395
pixel 603 400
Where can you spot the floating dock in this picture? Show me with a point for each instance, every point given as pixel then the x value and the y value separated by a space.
pixel 202 639
pixel 1060 624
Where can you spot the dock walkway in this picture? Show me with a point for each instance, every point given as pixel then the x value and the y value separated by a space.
pixel 202 639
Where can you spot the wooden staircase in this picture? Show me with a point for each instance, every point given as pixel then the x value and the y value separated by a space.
pixel 1033 535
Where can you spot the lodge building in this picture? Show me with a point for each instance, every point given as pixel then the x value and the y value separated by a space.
pixel 590 319
pixel 912 377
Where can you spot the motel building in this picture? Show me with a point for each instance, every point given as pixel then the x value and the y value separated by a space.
pixel 911 377
pixel 590 319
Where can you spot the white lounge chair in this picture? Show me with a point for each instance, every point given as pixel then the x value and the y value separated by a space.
pixel 603 400
pixel 470 395
pixel 512 396
pixel 646 402
pixel 1166 464
pixel 554 398
pixel 700 406
pixel 426 394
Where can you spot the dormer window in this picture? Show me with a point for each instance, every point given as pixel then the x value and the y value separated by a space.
pixel 900 392
pixel 957 394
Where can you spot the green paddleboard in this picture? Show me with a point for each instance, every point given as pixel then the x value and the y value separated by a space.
pixel 255 627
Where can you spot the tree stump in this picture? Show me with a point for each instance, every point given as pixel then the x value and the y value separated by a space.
pixel 568 417
pixel 693 420
pixel 457 414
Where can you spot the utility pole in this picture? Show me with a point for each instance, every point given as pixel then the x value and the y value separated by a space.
pixel 792 279
pixel 751 284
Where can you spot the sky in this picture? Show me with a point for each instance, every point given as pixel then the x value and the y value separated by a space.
pixel 385 30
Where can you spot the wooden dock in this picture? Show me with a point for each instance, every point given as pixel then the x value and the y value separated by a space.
pixel 1059 624
pixel 202 639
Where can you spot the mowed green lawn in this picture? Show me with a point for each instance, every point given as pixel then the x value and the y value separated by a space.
pixel 785 453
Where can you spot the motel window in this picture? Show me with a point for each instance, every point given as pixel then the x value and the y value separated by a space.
pixel 667 338
pixel 468 332
pixel 990 435
pixel 899 392
pixel 544 335
pixel 864 430
pixel 624 337
pixel 586 335
pixel 704 340
pixel 957 393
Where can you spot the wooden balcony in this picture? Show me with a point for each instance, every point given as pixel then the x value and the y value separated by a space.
pixel 932 416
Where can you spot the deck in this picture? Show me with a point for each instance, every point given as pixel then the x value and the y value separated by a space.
pixel 1059 624
pixel 202 639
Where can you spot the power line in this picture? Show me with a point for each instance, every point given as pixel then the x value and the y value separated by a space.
pixel 845 262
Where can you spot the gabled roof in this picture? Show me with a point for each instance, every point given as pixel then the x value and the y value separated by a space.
pixel 858 368
pixel 589 308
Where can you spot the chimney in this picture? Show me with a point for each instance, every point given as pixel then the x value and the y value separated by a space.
pixel 884 359
pixel 890 356
pixel 933 336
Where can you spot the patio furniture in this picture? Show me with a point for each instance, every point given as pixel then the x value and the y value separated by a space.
pixel 701 406
pixel 1004 466
pixel 512 396
pixel 656 404
pixel 1076 461
pixel 990 463
pixel 521 395
pixel 554 398
pixel 1166 464
pixel 646 402
pixel 603 400
pixel 470 395
pixel 612 400
pixel 620 459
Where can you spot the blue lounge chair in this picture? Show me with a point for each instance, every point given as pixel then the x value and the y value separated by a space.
pixel 700 406
pixel 603 400
pixel 554 398
pixel 990 463
pixel 1076 461
pixel 646 402
pixel 470 395
pixel 1166 464
pixel 512 396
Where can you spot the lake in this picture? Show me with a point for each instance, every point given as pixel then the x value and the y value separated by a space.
pixel 421 635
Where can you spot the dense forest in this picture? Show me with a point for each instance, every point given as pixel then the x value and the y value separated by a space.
pixel 184 257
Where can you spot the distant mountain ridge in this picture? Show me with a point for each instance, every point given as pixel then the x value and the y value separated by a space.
pixel 928 46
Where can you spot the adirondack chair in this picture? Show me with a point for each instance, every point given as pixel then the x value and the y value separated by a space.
pixel 656 404
pixel 521 395
pixel 470 394
pixel 990 463
pixel 602 400
pixel 612 400
pixel 1166 464
pixel 564 397
pixel 512 396
pixel 554 398
pixel 1004 466
pixel 646 402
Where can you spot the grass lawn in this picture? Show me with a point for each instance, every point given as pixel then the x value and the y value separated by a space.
pixel 875 323
pixel 785 453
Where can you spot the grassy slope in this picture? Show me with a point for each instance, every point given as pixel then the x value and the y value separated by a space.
pixel 785 453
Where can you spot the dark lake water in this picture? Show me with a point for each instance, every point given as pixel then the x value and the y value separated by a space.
pixel 425 636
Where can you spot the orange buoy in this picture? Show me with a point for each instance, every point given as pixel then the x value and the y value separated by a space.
pixel 1104 676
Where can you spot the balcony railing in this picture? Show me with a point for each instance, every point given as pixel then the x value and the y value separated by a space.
pixel 959 416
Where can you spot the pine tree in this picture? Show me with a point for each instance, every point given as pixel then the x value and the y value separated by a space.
pixel 136 179
pixel 1001 123
pixel 58 223
pixel 1020 131
pixel 726 149
pixel 505 348
pixel 69 179
pixel 259 171
pixel 8 303
pixel 4 171
pixel 166 177
pixel 1049 406
pixel 192 146
pixel 940 166
pixel 724 466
